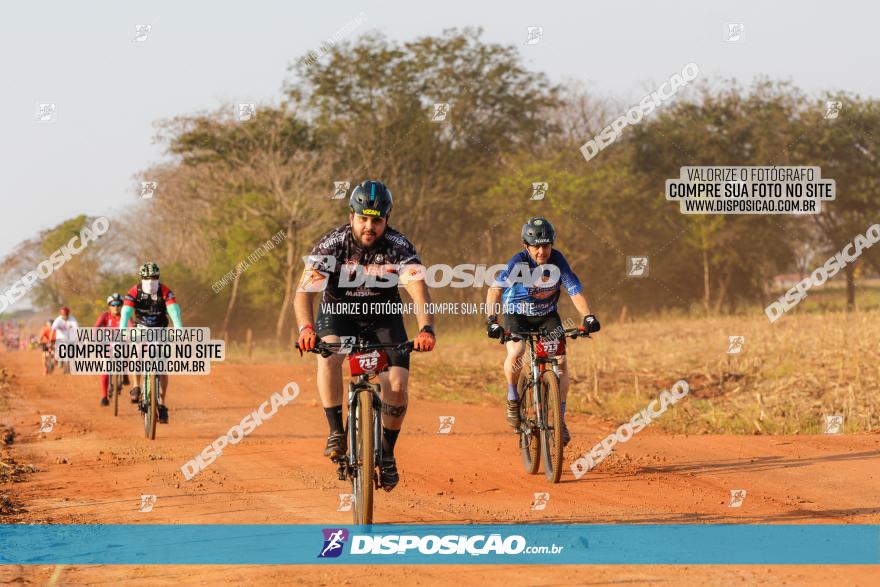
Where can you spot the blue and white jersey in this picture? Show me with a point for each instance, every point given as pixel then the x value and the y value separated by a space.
pixel 535 293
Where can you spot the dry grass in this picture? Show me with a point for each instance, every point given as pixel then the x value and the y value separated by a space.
pixel 788 376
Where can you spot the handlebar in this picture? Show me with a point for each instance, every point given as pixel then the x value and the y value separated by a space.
pixel 325 349
pixel 572 333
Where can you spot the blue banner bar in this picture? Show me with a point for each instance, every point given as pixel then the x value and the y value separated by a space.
pixel 440 544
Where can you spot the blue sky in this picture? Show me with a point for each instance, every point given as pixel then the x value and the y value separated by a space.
pixel 109 91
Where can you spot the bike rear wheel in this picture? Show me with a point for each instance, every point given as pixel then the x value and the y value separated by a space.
pixel 529 438
pixel 551 432
pixel 365 459
pixel 50 362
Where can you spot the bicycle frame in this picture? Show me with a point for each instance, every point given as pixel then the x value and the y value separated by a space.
pixel 150 400
pixel 539 364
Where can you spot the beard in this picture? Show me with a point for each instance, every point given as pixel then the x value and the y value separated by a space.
pixel 367 238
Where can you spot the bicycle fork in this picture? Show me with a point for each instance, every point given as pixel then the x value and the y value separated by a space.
pixel 348 466
pixel 538 368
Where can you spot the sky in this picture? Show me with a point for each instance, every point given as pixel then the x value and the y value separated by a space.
pixel 109 90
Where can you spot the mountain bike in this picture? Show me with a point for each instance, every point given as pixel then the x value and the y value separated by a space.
pixel 540 405
pixel 49 360
pixel 114 387
pixel 364 423
pixel 149 402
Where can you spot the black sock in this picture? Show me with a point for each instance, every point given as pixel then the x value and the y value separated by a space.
pixel 389 439
pixel 334 418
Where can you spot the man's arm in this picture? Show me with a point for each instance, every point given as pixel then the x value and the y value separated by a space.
pixel 418 291
pixel 174 311
pixel 493 302
pixel 303 302
pixel 582 304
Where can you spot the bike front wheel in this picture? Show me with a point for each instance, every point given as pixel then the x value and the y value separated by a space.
pixel 365 459
pixel 151 405
pixel 551 431
pixel 529 436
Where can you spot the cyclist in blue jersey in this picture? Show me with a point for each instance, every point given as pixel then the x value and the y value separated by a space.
pixel 527 292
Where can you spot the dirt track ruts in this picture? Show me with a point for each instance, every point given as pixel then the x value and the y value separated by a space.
pixel 94 467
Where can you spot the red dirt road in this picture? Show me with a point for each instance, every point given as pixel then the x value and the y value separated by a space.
pixel 93 468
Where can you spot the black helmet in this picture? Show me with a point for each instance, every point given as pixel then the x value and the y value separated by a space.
pixel 538 231
pixel 149 269
pixel 371 198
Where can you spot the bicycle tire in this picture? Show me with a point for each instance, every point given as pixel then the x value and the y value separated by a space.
pixel 151 414
pixel 551 432
pixel 115 385
pixel 529 436
pixel 365 464
pixel 50 363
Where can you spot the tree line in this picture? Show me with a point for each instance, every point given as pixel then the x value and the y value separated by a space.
pixel 463 186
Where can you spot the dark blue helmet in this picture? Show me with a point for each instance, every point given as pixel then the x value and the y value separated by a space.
pixel 538 231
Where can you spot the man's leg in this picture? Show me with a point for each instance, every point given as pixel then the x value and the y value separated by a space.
pixel 105 380
pixel 163 384
pixel 163 409
pixel 330 392
pixel 513 365
pixel 395 401
pixel 135 392
pixel 563 394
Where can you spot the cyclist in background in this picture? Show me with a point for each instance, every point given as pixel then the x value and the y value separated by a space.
pixel 46 339
pixel 529 305
pixel 149 304
pixel 110 319
pixel 64 327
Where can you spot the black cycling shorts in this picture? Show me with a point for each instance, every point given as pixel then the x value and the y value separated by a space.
pixel 521 322
pixel 378 329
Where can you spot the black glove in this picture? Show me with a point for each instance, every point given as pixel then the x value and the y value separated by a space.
pixel 493 329
pixel 591 324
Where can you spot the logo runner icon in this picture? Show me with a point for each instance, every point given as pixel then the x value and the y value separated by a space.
pixel 334 538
